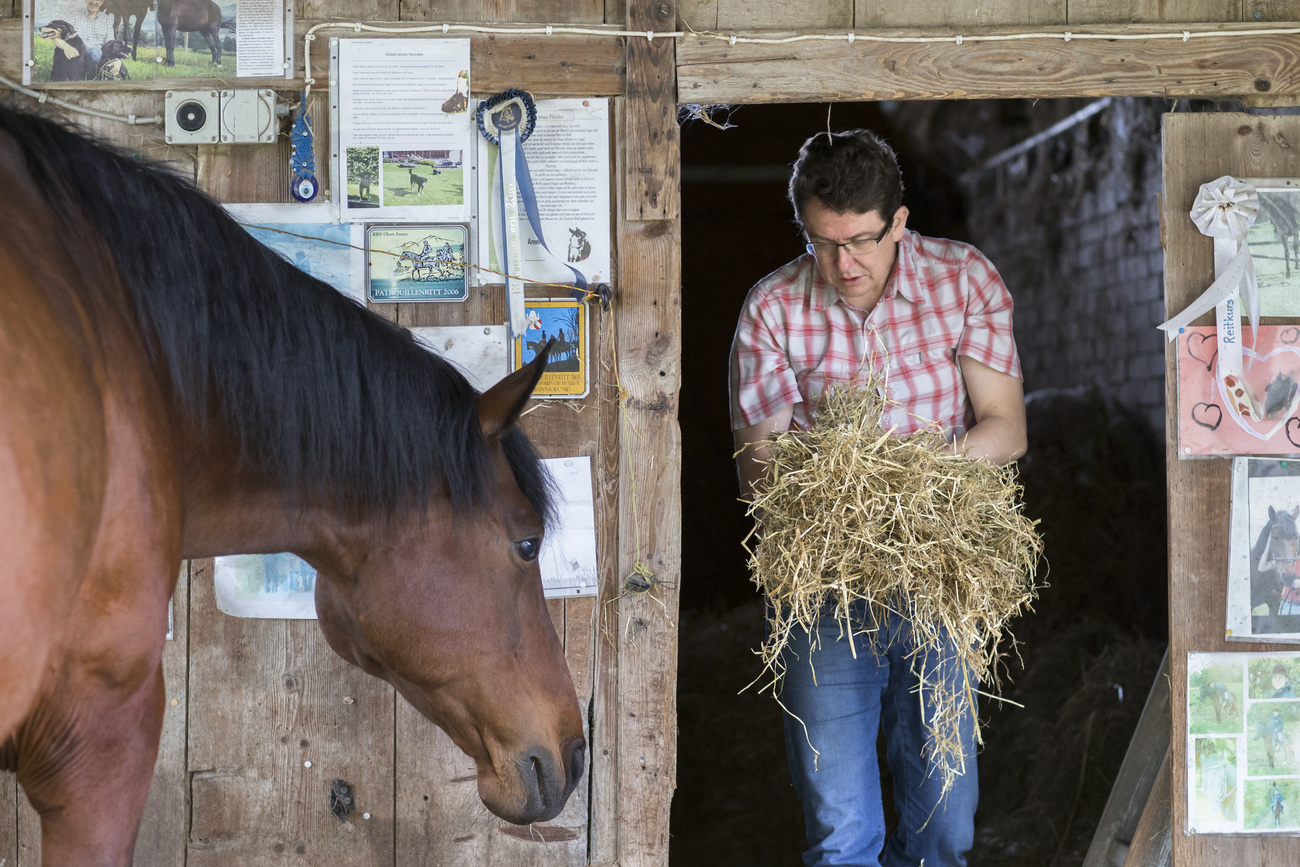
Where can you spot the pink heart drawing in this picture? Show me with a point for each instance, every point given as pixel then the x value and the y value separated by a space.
pixel 1260 371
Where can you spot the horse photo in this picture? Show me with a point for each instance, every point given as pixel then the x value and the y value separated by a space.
pixel 1273 571
pixel 170 388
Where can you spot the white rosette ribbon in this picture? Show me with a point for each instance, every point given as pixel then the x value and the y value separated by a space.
pixel 1225 209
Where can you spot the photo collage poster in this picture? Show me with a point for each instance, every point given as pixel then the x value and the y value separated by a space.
pixel 1243 731
pixel 127 40
pixel 1263 584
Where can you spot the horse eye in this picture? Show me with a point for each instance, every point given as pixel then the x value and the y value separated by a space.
pixel 528 549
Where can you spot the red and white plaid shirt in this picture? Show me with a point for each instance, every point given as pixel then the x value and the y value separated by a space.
pixel 943 299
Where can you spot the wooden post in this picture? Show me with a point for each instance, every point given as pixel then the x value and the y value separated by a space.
pixel 634 730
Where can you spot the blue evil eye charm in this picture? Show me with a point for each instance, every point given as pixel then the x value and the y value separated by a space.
pixel 304 189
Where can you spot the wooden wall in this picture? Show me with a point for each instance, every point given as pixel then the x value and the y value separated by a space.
pixel 1200 148
pixel 251 701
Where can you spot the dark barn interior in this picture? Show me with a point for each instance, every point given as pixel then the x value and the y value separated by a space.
pixel 1062 197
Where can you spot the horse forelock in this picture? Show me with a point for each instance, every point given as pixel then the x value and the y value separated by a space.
pixel 321 395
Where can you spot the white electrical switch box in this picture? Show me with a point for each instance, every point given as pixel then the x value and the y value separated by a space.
pixel 248 116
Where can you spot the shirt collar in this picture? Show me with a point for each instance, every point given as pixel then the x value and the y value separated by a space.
pixel 903 279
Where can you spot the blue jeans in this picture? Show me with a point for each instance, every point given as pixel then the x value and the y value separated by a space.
pixel 840 789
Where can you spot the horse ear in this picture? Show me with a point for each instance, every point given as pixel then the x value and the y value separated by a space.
pixel 500 406
pixel 1272 515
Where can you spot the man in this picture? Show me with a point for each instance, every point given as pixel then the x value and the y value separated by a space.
pixel 1281 683
pixel 937 317
pixel 95 27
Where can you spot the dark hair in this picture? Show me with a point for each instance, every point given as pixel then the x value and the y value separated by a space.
pixel 847 171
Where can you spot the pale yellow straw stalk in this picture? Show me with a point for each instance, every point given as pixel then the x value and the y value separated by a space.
pixel 850 513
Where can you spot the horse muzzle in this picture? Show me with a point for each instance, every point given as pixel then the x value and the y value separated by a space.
pixel 541 787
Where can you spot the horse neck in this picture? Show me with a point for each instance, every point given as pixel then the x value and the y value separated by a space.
pixel 1257 550
pixel 230 508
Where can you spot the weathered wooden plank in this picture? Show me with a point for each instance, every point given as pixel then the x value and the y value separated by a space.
pixel 1199 148
pixel 712 71
pixel 694 14
pixel 652 146
pixel 747 14
pixel 1152 844
pixel 1271 10
pixel 1133 11
pixel 266 698
pixel 351 10
pixel 1133 787
pixel 29 833
pixel 603 765
pixel 959 13
pixel 166 814
pixel 556 65
pixel 8 817
pixel 514 11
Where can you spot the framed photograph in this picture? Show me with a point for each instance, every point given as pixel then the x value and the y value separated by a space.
pixel 128 40
pixel 1274 243
pixel 1243 738
pixel 1210 421
pixel 563 320
pixel 1264 551
pixel 409 262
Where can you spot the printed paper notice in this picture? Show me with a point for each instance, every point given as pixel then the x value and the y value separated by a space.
pixel 260 50
pixel 568 556
pixel 568 159
pixel 404 128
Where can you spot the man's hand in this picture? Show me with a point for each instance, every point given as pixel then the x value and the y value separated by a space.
pixel 998 435
pixel 755 451
pixel 68 50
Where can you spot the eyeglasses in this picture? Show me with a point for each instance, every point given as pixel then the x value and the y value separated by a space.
pixel 857 247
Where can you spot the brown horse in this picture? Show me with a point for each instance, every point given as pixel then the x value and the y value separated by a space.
pixel 170 388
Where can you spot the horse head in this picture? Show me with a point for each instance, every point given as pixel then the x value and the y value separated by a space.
pixel 454 618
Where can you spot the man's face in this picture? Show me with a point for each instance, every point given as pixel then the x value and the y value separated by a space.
pixel 93 6
pixel 857 278
pixel 1279 681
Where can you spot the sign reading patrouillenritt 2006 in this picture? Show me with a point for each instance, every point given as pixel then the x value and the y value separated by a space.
pixel 417 262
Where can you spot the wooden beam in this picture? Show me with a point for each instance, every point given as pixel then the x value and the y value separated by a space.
pixel 652 152
pixel 1152 844
pixel 1137 777
pixel 711 71
pixel 544 65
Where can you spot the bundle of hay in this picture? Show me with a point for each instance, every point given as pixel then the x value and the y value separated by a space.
pixel 851 514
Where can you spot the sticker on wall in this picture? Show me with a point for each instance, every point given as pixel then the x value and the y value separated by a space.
pixel 564 321
pixel 1274 241
pixel 417 263
pixel 568 555
pixel 305 236
pixel 1257 413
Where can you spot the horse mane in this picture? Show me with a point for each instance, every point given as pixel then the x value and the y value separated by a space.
pixel 323 396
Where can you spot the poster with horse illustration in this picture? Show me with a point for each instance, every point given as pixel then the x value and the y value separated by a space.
pixel 1243 730
pixel 417 263
pixel 564 321
pixel 1263 551
pixel 140 40
pixel 1261 417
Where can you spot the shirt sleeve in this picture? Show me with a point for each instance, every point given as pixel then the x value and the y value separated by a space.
pixel 762 380
pixel 986 335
